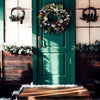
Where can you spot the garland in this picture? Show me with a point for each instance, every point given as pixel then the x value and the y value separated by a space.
pixel 84 48
pixel 21 50
pixel 53 18
pixel 29 50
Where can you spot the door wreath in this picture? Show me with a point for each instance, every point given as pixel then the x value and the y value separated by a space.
pixel 53 18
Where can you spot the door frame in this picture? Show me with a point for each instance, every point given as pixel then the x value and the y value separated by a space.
pixel 2 39
pixel 72 43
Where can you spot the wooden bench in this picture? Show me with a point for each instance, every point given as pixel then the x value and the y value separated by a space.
pixel 60 93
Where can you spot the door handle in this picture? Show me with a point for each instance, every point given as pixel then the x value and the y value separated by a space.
pixel 41 42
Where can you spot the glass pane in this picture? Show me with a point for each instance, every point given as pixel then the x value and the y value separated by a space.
pixel 25 36
pixel 97 23
pixel 82 3
pixel 80 22
pixel 27 22
pixel 95 3
pixel 11 36
pixel 94 34
pixel 9 23
pixel 10 3
pixel 82 35
pixel 25 3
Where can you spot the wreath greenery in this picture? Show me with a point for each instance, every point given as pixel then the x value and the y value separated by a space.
pixel 53 18
pixel 18 17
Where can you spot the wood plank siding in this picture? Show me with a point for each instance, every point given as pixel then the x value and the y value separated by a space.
pixel 87 68
pixel 17 69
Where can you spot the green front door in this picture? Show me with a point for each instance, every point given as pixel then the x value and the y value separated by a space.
pixel 54 61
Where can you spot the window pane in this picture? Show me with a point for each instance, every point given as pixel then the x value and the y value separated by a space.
pixel 10 3
pixel 95 3
pixel 82 35
pixel 25 3
pixel 25 36
pixel 80 22
pixel 11 35
pixel 94 34
pixel 8 23
pixel 97 23
pixel 27 22
pixel 82 3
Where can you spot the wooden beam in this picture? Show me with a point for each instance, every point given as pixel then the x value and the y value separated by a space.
pixel 64 94
pixel 31 98
pixel 58 93
pixel 54 93
pixel 48 91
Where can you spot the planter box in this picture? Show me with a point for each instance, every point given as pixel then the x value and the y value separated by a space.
pixel 17 69
pixel 87 68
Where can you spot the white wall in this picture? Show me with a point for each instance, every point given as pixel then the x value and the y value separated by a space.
pixel 16 33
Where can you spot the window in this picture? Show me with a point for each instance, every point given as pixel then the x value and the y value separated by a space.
pixel 87 32
pixel 16 33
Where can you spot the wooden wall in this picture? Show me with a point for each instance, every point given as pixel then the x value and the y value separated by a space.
pixel 87 68
pixel 17 69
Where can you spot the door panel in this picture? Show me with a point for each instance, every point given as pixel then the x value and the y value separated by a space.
pixel 54 56
pixel 51 64
pixel 54 41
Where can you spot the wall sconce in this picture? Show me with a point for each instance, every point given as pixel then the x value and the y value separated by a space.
pixel 90 17
pixel 18 16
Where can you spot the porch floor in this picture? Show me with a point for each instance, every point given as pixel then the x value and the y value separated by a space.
pixel 47 93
